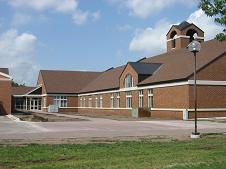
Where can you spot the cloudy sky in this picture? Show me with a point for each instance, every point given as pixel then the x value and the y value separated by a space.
pixel 88 35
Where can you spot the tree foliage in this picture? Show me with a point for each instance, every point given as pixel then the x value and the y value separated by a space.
pixel 15 84
pixel 217 9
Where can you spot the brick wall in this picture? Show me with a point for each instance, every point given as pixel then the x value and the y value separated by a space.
pixel 171 97
pixel 5 97
pixel 208 97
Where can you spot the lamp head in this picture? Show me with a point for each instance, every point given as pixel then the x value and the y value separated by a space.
pixel 194 46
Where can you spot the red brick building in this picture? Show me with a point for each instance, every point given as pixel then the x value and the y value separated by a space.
pixel 159 86
pixel 5 92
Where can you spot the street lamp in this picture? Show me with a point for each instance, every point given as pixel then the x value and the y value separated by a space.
pixel 195 47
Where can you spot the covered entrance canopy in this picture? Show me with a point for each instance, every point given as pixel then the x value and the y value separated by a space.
pixel 27 98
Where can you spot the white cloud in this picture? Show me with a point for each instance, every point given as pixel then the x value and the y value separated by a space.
pixel 206 23
pixel 153 39
pixel 64 6
pixel 17 52
pixel 81 17
pixel 145 8
pixel 20 19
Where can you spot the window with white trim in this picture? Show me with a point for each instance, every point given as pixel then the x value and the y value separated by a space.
pixel 44 102
pixel 60 101
pixel 141 98
pixel 150 98
pixel 112 100
pixel 90 101
pixel 84 102
pixel 128 82
pixel 128 99
pixel 96 101
pixel 117 100
pixel 80 101
pixel 101 101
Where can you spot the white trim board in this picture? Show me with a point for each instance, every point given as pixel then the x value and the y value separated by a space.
pixel 5 75
pixel 5 79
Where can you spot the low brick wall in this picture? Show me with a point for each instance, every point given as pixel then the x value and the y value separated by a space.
pixel 107 112
pixel 168 115
pixel 208 114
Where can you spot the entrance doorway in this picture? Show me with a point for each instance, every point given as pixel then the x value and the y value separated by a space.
pixel 35 104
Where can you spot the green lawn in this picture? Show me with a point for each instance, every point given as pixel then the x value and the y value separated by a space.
pixel 206 153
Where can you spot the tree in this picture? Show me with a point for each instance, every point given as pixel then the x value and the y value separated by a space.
pixel 15 84
pixel 217 9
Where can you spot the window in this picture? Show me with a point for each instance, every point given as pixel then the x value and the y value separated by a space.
pixel 128 81
pixel 96 101
pixel 141 98
pixel 112 100
pixel 128 99
pixel 90 101
pixel 84 102
pixel 80 101
pixel 150 98
pixel 44 102
pixel 117 100
pixel 60 101
pixel 101 101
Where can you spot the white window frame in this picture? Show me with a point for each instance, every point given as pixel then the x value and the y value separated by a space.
pixel 127 82
pixel 81 102
pixel 112 101
pixel 141 98
pixel 44 102
pixel 150 98
pixel 90 102
pixel 96 102
pixel 101 101
pixel 60 101
pixel 117 100
pixel 84 102
pixel 129 99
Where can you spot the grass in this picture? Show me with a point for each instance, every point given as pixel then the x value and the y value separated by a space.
pixel 206 153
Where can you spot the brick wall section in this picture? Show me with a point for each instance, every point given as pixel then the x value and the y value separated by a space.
pixel 207 114
pixel 168 115
pixel 5 97
pixel 208 97
pixel 171 97
pixel 106 112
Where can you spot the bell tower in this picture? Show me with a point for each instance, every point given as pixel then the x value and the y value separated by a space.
pixel 179 36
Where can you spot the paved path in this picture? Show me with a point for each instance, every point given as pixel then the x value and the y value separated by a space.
pixel 102 128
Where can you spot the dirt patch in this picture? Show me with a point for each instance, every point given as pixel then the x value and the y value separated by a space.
pixel 40 117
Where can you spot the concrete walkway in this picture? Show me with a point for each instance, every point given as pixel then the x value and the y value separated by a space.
pixel 102 128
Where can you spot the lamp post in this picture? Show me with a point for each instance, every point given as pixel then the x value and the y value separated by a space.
pixel 195 47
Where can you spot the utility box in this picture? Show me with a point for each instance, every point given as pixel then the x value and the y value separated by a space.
pixel 53 109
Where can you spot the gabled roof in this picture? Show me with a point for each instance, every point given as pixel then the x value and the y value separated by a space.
pixel 178 64
pixel 66 82
pixel 106 81
pixel 183 25
pixel 21 90
pixel 4 70
pixel 144 68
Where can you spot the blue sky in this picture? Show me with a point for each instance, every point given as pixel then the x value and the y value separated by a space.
pixel 88 35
